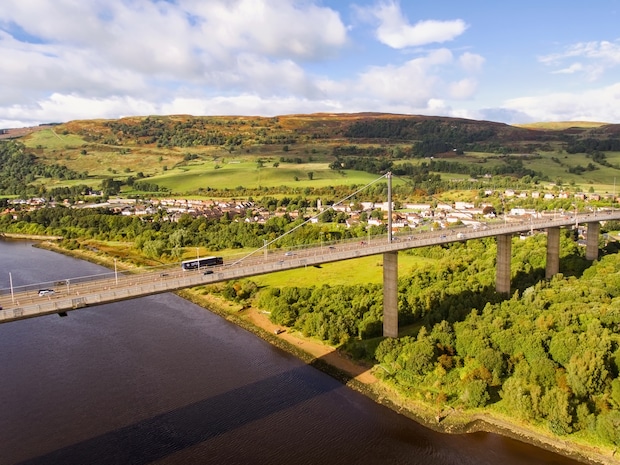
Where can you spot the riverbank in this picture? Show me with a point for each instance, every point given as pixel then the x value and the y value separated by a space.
pixel 362 377
pixel 29 237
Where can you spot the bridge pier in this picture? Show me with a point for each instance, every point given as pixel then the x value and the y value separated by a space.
pixel 592 240
pixel 553 252
pixel 502 266
pixel 390 294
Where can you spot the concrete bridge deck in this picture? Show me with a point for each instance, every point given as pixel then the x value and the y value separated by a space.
pixel 25 301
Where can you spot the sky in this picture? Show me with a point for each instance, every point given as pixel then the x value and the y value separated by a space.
pixel 507 61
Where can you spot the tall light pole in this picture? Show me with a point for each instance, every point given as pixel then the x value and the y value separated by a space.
pixel 389 206
pixel 11 283
pixel 576 219
pixel 115 273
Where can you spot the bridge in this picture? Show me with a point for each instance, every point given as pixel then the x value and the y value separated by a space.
pixel 75 293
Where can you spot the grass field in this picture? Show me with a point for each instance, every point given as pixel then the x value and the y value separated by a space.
pixel 367 270
pixel 246 173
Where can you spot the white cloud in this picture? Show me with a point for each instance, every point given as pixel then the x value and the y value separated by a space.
pixel 146 48
pixel 395 30
pixel 471 62
pixel 603 50
pixel 602 104
pixel 299 29
pixel 572 69
pixel 463 89
pixel 595 58
pixel 416 82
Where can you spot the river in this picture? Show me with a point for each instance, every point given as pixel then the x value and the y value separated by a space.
pixel 159 380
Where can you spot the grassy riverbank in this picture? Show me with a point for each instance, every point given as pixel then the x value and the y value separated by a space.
pixel 363 377
pixel 29 237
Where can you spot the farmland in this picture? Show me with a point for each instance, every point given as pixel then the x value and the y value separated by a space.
pixel 186 155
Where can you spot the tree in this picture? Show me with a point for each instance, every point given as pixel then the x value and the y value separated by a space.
pixel 555 406
pixel 153 249
pixel 608 427
pixel 586 373
pixel 475 394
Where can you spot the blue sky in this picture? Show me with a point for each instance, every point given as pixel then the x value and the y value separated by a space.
pixel 512 62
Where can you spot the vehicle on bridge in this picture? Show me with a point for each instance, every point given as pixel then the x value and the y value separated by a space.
pixel 203 262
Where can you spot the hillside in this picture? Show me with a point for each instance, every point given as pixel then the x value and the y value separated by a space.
pixel 190 154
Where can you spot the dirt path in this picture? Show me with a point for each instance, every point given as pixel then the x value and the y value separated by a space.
pixel 313 347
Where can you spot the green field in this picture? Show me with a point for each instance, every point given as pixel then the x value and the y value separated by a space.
pixel 246 173
pixel 367 270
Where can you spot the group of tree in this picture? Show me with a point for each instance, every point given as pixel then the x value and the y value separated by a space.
pixel 19 169
pixel 161 238
pixel 592 145
pixel 548 355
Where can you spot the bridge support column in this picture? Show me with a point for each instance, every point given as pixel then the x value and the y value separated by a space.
pixel 592 240
pixel 390 294
pixel 553 252
pixel 502 271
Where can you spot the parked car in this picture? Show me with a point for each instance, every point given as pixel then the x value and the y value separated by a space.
pixel 44 292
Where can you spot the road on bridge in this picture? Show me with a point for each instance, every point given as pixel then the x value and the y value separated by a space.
pixel 69 294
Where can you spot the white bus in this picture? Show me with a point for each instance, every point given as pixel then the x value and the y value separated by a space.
pixel 202 262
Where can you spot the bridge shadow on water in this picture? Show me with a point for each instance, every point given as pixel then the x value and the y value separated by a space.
pixel 155 438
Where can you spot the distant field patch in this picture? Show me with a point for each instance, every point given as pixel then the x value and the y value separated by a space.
pixel 559 125
pixel 49 139
pixel 243 173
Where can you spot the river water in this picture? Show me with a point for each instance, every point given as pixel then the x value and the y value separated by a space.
pixel 159 380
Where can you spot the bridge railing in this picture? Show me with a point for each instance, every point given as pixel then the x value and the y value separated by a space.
pixel 168 277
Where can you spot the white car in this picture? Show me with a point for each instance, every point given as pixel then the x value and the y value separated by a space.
pixel 44 292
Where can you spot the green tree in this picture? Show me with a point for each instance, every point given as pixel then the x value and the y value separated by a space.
pixel 475 394
pixel 586 373
pixel 608 427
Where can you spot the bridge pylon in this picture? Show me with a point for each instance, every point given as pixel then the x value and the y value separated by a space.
pixel 390 294
pixel 502 265
pixel 553 252
pixel 594 229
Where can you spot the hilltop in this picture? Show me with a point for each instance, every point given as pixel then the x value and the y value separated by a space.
pixel 188 131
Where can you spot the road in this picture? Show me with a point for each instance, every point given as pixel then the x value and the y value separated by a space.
pixel 74 293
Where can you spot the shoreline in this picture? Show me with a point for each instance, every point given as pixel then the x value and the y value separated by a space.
pixel 29 237
pixel 359 377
